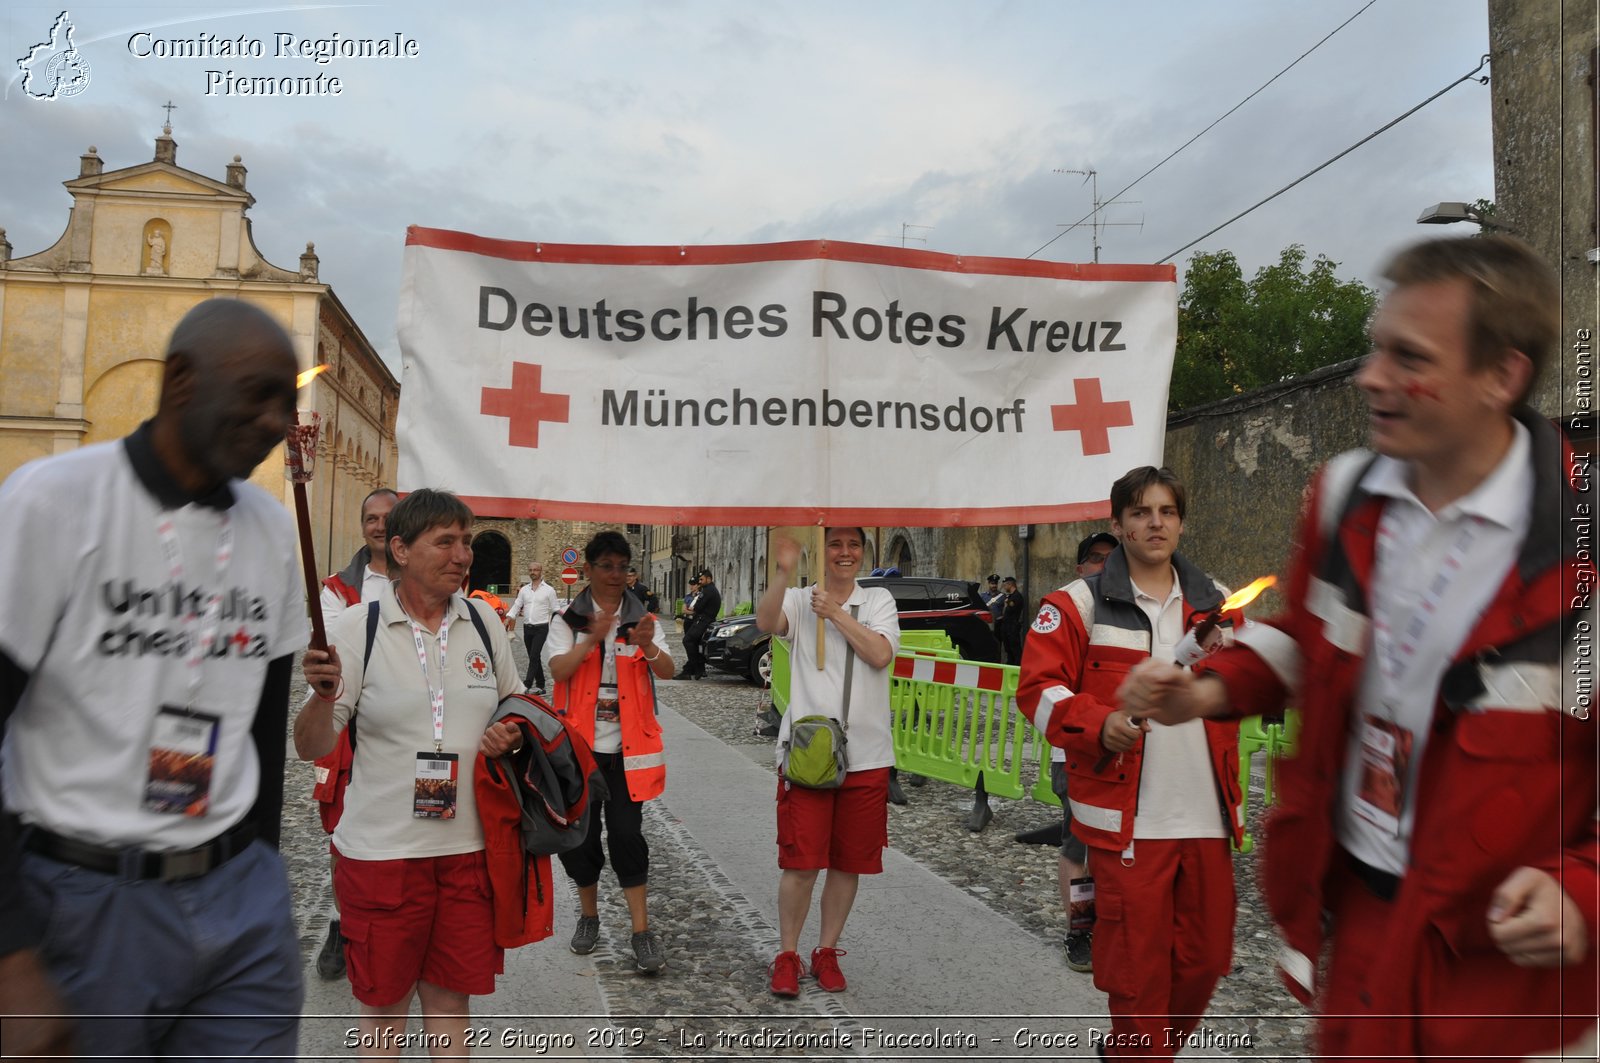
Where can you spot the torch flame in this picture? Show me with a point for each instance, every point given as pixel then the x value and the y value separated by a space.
pixel 1241 598
pixel 311 374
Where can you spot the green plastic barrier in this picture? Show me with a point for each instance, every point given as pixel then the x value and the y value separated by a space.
pixel 926 640
pixel 953 720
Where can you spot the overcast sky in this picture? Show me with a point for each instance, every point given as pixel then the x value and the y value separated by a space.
pixel 635 122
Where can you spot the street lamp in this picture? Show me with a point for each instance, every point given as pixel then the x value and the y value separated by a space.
pixel 1448 213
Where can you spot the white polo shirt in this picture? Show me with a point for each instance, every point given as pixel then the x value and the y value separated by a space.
pixel 394 722
pixel 1177 793
pixel 813 691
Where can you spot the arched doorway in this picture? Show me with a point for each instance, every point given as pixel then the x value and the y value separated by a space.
pixel 491 563
pixel 899 555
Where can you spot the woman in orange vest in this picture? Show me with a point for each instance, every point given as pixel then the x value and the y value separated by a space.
pixel 606 652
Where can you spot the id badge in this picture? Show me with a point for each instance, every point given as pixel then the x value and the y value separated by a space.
pixel 435 794
pixel 605 708
pixel 1385 757
pixel 183 753
pixel 1080 915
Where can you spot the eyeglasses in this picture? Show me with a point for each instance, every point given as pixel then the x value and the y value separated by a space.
pixel 610 570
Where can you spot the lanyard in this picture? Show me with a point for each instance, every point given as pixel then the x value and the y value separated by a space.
pixel 435 693
pixel 1397 653
pixel 208 621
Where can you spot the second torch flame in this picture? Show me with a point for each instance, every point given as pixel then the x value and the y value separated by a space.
pixel 311 374
pixel 1241 598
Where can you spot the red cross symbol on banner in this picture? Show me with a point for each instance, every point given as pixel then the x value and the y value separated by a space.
pixel 1091 417
pixel 525 404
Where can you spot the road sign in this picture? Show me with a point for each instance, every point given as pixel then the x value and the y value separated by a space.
pixel 569 575
pixel 569 556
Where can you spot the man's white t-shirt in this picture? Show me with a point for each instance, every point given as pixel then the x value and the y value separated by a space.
pixel 821 692
pixel 94 616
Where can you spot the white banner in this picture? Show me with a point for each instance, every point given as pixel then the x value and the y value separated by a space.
pixel 777 384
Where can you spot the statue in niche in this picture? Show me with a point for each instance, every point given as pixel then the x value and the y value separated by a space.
pixel 158 253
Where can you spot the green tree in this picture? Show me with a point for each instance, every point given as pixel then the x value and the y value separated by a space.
pixel 1235 335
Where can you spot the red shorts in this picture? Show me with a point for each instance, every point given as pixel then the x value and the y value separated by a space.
pixel 427 919
pixel 844 829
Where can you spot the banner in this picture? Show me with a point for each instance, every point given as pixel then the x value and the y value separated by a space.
pixel 777 384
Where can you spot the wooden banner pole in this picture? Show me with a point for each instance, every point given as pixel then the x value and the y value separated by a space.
pixel 822 582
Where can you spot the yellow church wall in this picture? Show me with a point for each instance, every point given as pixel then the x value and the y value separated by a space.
pixel 19 448
pixel 30 351
pixel 121 399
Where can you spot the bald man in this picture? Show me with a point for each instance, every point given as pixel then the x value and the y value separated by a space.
pixel 153 614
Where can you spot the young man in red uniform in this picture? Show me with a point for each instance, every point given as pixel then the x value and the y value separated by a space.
pixel 1159 803
pixel 1441 817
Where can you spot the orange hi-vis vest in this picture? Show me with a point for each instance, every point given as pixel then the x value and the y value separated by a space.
pixel 644 760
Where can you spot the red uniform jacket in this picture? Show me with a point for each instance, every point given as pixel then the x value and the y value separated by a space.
pixel 1507 779
pixel 519 882
pixel 1070 674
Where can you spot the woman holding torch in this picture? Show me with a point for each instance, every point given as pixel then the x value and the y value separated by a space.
pixel 422 684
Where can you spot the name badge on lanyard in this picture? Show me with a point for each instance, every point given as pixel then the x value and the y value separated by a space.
pixel 183 741
pixel 183 753
pixel 434 789
pixel 435 792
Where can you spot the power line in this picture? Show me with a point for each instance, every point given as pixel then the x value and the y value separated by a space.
pixel 1208 128
pixel 1468 76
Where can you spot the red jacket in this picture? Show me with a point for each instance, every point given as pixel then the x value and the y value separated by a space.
pixel 1068 686
pixel 519 882
pixel 644 760
pixel 333 768
pixel 1503 782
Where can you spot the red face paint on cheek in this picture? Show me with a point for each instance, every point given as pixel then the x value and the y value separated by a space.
pixel 1421 391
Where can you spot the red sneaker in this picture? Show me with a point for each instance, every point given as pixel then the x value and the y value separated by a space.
pixel 825 965
pixel 786 973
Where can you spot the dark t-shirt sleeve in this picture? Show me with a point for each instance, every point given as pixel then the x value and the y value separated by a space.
pixel 270 733
pixel 17 929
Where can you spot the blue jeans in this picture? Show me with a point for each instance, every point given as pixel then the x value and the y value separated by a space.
pixel 206 968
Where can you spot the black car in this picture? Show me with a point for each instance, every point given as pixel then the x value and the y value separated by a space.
pixel 925 603
pixel 736 645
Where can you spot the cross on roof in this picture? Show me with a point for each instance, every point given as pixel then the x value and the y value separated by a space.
pixel 169 107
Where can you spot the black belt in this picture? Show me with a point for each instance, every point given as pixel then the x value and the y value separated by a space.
pixel 1381 884
pixel 138 863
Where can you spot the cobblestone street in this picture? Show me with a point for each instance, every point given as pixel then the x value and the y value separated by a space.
pixel 714 921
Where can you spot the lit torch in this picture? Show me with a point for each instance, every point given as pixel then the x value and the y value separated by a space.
pixel 299 463
pixel 1203 638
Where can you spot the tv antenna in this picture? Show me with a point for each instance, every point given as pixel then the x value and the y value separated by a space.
pixel 905 233
pixel 1095 223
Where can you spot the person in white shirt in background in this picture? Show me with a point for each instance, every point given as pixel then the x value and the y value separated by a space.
pixel 536 603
